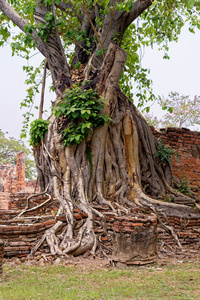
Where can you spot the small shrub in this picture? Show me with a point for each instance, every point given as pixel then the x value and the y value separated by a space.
pixel 164 153
pixel 168 198
pixel 184 186
pixel 37 130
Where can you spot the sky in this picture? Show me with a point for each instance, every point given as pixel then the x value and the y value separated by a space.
pixel 181 73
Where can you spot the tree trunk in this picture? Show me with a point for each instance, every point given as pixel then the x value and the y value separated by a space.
pixel 123 165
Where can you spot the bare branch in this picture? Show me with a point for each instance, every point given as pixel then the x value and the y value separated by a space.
pixel 121 20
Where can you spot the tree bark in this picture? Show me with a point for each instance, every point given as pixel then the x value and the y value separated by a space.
pixel 55 55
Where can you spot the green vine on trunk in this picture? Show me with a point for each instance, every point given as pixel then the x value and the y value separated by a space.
pixel 82 109
pixel 37 130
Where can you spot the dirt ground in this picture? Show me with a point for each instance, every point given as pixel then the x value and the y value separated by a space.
pixel 166 256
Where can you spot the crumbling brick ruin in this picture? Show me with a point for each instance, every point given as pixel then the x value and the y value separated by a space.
pixel 12 182
pixel 20 235
pixel 12 178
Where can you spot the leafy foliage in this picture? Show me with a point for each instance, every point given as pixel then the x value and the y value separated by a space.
pixel 184 186
pixel 164 153
pixel 133 74
pixel 37 130
pixel 4 30
pixel 9 147
pixel 33 81
pixel 168 198
pixel 159 25
pixel 82 110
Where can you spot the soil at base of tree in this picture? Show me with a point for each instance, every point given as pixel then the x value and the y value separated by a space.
pixel 167 256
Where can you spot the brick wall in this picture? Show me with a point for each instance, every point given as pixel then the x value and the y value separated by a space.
pixel 187 144
pixel 20 236
pixel 17 202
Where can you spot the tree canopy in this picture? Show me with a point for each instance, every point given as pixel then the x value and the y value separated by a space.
pixel 160 23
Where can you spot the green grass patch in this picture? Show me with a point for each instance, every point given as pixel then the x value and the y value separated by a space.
pixel 61 282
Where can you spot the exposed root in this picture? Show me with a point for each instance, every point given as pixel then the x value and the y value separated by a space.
pixel 103 201
pixel 125 210
pixel 170 208
pixel 26 209
pixel 162 249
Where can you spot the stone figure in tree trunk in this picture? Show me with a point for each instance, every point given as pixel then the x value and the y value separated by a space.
pixel 96 148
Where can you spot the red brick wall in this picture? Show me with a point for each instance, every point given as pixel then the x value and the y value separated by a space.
pixel 187 144
pixel 19 237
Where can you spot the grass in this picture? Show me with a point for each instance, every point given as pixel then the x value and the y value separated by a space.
pixel 67 283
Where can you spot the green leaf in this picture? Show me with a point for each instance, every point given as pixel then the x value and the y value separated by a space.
pixel 147 109
pixel 57 2
pixel 190 3
pixel 37 130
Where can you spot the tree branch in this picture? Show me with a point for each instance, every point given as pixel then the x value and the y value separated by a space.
pixel 21 23
pixel 56 58
pixel 137 9
pixel 93 27
pixel 112 16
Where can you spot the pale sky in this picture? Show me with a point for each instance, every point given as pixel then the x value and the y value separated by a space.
pixel 181 73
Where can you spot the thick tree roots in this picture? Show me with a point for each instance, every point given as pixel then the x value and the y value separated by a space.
pixel 123 168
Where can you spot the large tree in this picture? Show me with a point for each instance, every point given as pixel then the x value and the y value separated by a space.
pixel 96 147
